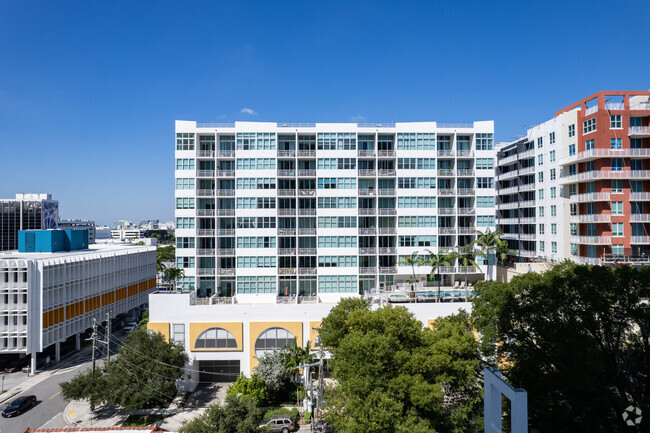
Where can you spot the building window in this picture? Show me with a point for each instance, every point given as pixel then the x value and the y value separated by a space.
pixel 551 156
pixel 635 143
pixel 617 186
pixel 636 164
pixel 616 143
pixel 617 229
pixel 573 189
pixel 617 208
pixel 540 211
pixel 185 203
pixel 553 174
pixel 589 125
pixel 272 339
pixel 541 229
pixel 618 250
pixel 573 169
pixel 617 164
pixel 540 159
pixel 484 163
pixel 572 130
pixel 591 251
pixel 572 149
pixel 540 142
pixel 553 192
pixel 574 249
pixel 551 138
pixel 553 247
pixel 178 333
pixel 184 164
pixel 574 229
pixel 184 141
pixel 553 228
pixel 589 144
pixel 185 262
pixel 541 246
pixel 482 201
pixel 590 165
pixel 485 182
pixel 635 121
pixel 540 176
pixel 484 141
pixel 540 194
pixel 553 210
pixel 215 338
pixel 185 183
pixel 573 209
pixel 616 121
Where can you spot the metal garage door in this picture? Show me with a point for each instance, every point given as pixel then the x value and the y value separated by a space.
pixel 219 371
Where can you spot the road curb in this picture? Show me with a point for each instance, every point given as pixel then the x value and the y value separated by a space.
pixel 9 394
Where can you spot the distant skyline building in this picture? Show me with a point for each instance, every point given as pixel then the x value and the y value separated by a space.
pixel 26 212
pixel 80 225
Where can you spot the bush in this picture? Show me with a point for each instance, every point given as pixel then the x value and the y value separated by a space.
pixel 307 416
pixel 294 413
pixel 279 411
pixel 254 387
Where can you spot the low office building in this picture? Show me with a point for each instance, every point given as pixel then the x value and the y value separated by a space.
pixel 54 286
pixel 225 340
pixel 26 212
pixel 80 225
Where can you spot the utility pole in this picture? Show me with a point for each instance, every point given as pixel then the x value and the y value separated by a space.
pixel 93 337
pixel 108 334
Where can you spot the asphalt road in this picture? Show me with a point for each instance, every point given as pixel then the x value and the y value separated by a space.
pixel 49 404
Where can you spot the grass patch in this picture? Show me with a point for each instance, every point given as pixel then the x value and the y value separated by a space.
pixel 142 420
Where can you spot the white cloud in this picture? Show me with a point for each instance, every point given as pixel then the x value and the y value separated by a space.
pixel 248 111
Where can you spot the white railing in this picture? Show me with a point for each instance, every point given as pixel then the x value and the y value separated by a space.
pixel 592 240
pixel 527 187
pixel 466 211
pixel 640 196
pixel 465 191
pixel 204 173
pixel 205 192
pixel 513 205
pixel 287 153
pixel 225 173
pixel 286 211
pixel 386 172
pixel 225 271
pixel 527 170
pixel 387 211
pixel 387 230
pixel 307 271
pixel 639 130
pixel 306 251
pixel 588 260
pixel 367 270
pixel 286 192
pixel 446 191
pixel 615 106
pixel 510 236
pixel 640 217
pixel 205 251
pixel 465 153
pixel 366 231
pixel 287 231
pixel 287 271
pixel 445 172
pixel 367 211
pixel 226 251
pixel 367 191
pixel 205 271
pixel 308 299
pixel 640 240
pixel 640 106
pixel 527 203
pixel 465 172
pixel 386 191
pixel 205 212
pixel 307 231
pixel 307 173
pixel 386 153
pixel 286 251
pixel 226 232
pixel 446 230
pixel 445 269
pixel 526 154
pixel 306 211
pixel 445 153
pixel 296 125
pixel 466 230
pixel 307 153
pixel 390 270
pixel 375 125
pixel 507 221
pixel 509 190
pixel 590 154
pixel 508 175
pixel 446 211
pixel 454 125
pixel 367 250
pixel 467 269
pixel 366 153
pixel 306 192
pixel 527 220
pixel 205 153
pixel 226 212
pixel 595 218
pixel 591 196
pixel 367 172
pixel 508 159
pixel 205 232
pixel 226 153
pixel 591 110
pixel 606 174
pixel 226 192
pixel 215 125
pixel 387 250
pixel 285 173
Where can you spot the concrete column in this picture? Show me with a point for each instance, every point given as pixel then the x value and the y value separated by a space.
pixel 57 352
pixel 77 341
pixel 32 368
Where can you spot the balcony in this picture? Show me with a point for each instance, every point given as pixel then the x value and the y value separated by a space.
pixel 367 250
pixel 386 172
pixel 514 205
pixel 507 221
pixel 526 154
pixel 639 131
pixel 366 153
pixel 367 211
pixel 466 230
pixel 286 192
pixel 386 153
pixel 466 191
pixel 445 269
pixel 366 271
pixel 205 232
pixel 205 251
pixel 306 154
pixel 307 251
pixel 592 240
pixel 390 270
pixel 591 154
pixel 367 191
pixel 465 153
pixel 640 196
pixel 447 230
pixel 510 236
pixel 287 232
pixel 445 153
pixel 591 197
pixel 226 232
pixel 466 211
pixel 226 154
pixel 286 173
pixel 527 253
pixel 509 190
pixel 527 220
pixel 591 218
pixel 591 110
pixel 226 193
pixel 286 153
pixel 387 250
pixel 307 173
pixel 205 212
pixel 468 270
pixel 509 175
pixel 631 260
pixel 285 212
pixel 605 174
pixel 640 240
pixel 444 250
pixel 387 211
pixel 307 271
pixel 387 230
pixel 463 172
pixel 287 271
pixel 587 260
pixel 306 192
pixel 311 299
pixel 367 231
pixel 225 251
pixel 527 170
pixel 204 173
pixel 446 211
pixel 286 251
pixel 446 191
pixel 612 106
pixel 365 172
pixel 225 173
pixel 527 203
pixel 205 153
pixel 640 218
pixel 307 231
pixel 507 160
pixel 306 211
pixel 226 212
pixel 205 271
pixel 205 192
pixel 527 187
pixel 386 191
pixel 446 172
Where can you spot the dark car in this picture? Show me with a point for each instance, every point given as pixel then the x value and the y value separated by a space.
pixel 323 427
pixel 16 365
pixel 19 405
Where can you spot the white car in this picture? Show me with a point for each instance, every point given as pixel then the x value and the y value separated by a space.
pixel 130 326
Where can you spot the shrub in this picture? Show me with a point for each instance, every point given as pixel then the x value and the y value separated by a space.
pixel 254 387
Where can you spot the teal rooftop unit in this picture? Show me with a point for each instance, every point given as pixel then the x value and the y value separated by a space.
pixel 51 241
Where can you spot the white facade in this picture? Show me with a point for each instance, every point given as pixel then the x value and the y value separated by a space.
pixel 46 298
pixel 80 225
pixel 266 210
pixel 127 233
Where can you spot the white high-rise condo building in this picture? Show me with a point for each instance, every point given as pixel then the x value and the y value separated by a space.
pixel 271 212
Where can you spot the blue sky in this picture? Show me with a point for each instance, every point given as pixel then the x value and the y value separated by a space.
pixel 89 90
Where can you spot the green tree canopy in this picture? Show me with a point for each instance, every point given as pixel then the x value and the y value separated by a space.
pixel 166 254
pixel 237 415
pixel 143 374
pixel 577 338
pixel 395 376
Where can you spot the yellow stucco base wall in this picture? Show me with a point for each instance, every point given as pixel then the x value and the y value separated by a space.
pixel 160 327
pixel 313 334
pixel 256 328
pixel 235 328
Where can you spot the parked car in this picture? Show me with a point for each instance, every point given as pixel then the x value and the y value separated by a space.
pixel 323 427
pixel 16 365
pixel 280 423
pixel 130 326
pixel 19 405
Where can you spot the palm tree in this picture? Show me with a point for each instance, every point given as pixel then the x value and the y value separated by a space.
pixel 173 274
pixel 503 250
pixel 437 260
pixel 412 261
pixel 488 242
pixel 466 256
pixel 160 267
